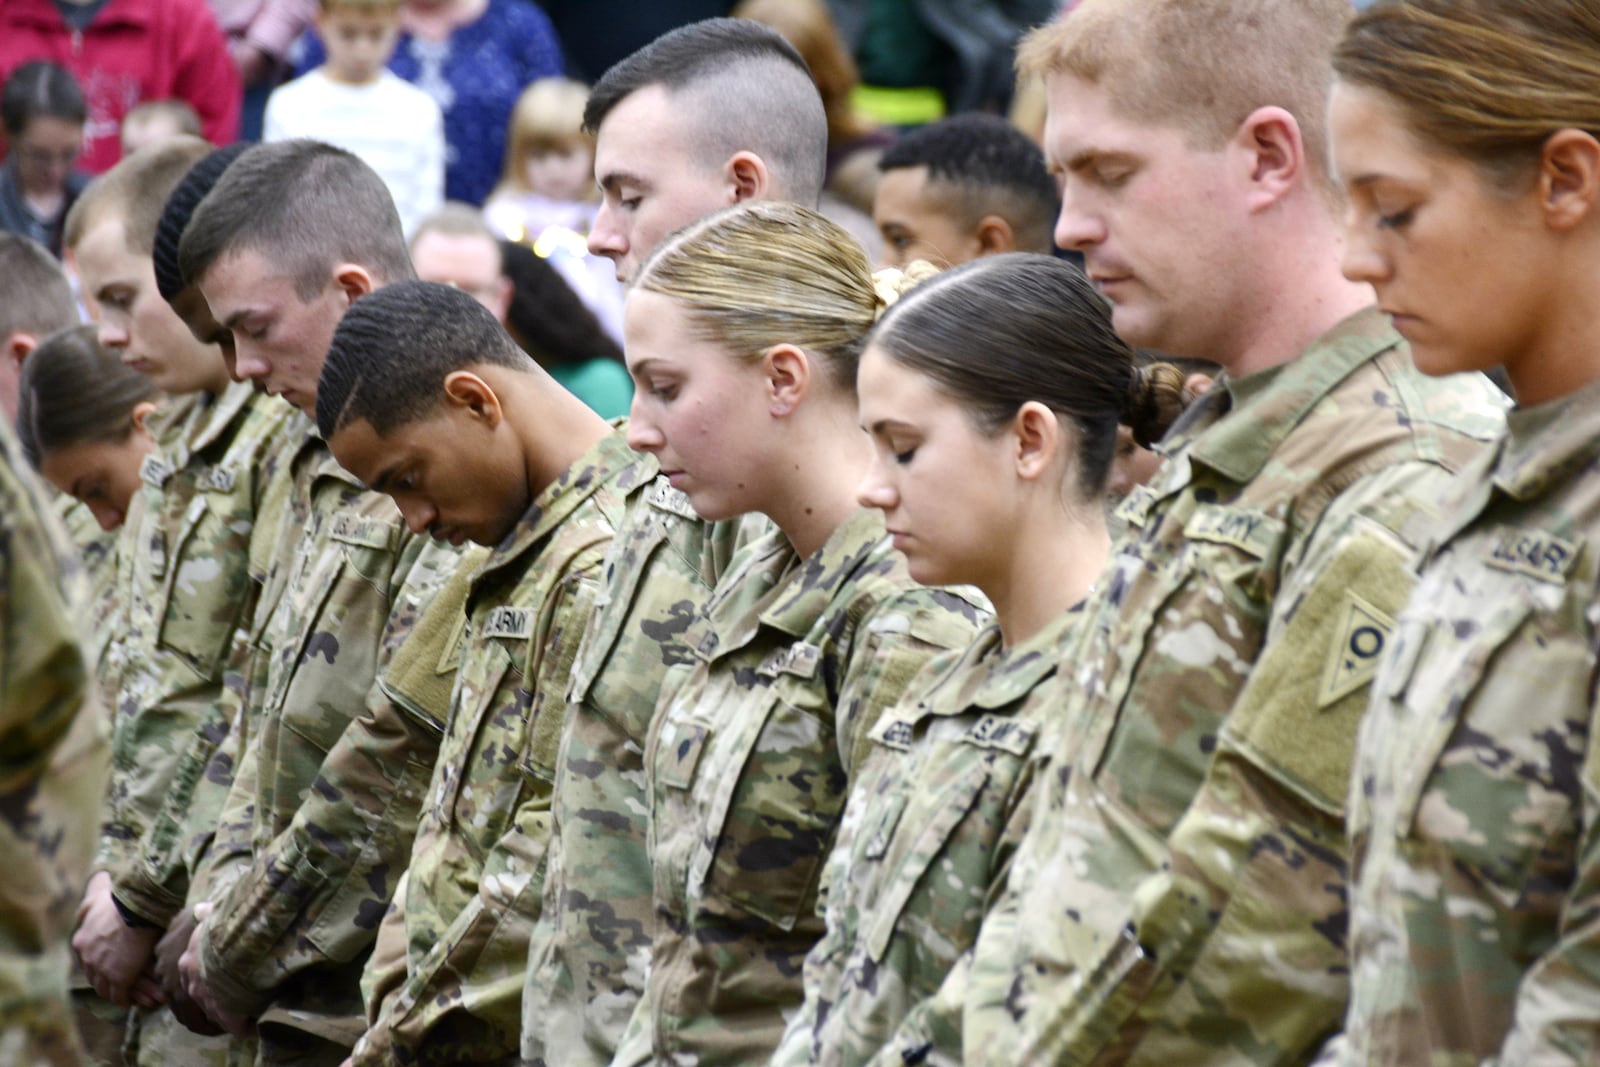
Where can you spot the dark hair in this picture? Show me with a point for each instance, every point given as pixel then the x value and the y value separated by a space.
pixel 743 87
pixel 175 215
pixel 546 317
pixel 133 192
pixel 394 348
pixel 995 169
pixel 35 296
pixel 998 332
pixel 40 89
pixel 74 391
pixel 305 205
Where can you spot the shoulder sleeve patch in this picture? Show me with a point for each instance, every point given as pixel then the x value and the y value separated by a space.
pixel 1353 659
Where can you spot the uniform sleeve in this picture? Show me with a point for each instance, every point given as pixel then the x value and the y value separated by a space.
pixel 317 895
pixel 466 993
pixel 205 76
pixel 1242 934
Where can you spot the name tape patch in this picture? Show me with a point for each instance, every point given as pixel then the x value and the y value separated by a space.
pixel 1534 553
pixel 1003 733
pixel 893 733
pixel 1248 531
pixel 516 623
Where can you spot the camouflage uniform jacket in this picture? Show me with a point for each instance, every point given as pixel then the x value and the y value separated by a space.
pixel 55 744
pixel 476 876
pixel 1476 800
pixel 348 582
pixel 933 818
pixel 588 954
pixel 188 589
pixel 97 549
pixel 1180 895
pixel 155 883
pixel 749 760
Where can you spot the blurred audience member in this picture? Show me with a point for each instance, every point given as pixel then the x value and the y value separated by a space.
pixel 156 122
pixel 35 301
pixel 854 141
pixel 473 57
pixel 454 246
pixel 968 186
pixel 123 52
pixel 354 103
pixel 595 34
pixel 547 198
pixel 260 33
pixel 42 111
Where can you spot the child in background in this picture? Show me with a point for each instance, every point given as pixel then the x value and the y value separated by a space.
pixel 42 112
pixel 547 198
pixel 353 102
pixel 157 121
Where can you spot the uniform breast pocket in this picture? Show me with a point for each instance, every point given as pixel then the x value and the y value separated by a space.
pixel 206 584
pixel 486 740
pixel 919 838
pixel 776 816
pixel 1495 777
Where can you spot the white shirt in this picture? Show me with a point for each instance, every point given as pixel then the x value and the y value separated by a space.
pixel 394 127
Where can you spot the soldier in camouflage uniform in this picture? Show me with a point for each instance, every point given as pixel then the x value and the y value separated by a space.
pixel 425 396
pixel 185 580
pixel 1180 894
pixel 591 947
pixel 1473 804
pixel 813 630
pixel 268 250
pixel 938 805
pixel 56 756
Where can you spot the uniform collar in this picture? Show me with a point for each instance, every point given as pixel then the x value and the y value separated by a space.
pixel 1235 428
pixel 987 676
pixel 1545 445
pixel 224 412
pixel 807 591
pixel 604 461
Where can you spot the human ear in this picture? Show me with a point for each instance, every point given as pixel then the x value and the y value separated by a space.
pixel 1569 178
pixel 354 280
pixel 786 372
pixel 473 395
pixel 140 415
pixel 19 345
pixel 994 235
pixel 1038 440
pixel 748 177
pixel 1273 155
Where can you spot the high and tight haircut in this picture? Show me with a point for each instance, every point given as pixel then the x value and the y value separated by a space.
pixel 133 193
pixel 1045 335
pixel 992 167
pixel 35 295
pixel 305 206
pixel 76 391
pixel 740 87
pixel 1201 66
pixel 456 219
pixel 180 205
pixel 40 89
pixel 1511 73
pixel 767 272
pixel 394 348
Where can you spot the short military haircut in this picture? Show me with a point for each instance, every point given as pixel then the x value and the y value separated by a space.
pixel 35 296
pixel 133 193
pixel 991 167
pixel 741 87
pixel 1201 65
pixel 394 348
pixel 186 196
pixel 456 219
pixel 304 205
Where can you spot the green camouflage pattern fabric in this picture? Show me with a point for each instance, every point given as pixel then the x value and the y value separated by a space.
pixel 57 751
pixel 1181 894
pixel 348 580
pixel 933 818
pixel 315 897
pixel 1475 856
pixel 588 954
pixel 477 866
pixel 97 550
pixel 749 760
pixel 155 884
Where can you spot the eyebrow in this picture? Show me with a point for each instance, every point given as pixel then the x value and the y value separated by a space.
pixel 1085 158
pixel 882 426
pixel 380 484
pixel 237 317
pixel 114 283
pixel 614 178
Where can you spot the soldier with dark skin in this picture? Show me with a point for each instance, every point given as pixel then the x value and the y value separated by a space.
pixel 1475 216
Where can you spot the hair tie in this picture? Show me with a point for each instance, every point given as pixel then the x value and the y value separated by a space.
pixel 887 285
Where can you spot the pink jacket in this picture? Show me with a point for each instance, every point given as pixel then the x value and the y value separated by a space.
pixel 134 50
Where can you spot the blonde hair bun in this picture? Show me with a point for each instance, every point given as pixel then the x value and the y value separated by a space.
pixel 891 283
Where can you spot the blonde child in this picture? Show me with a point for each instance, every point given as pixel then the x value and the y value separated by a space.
pixel 353 102
pixel 547 198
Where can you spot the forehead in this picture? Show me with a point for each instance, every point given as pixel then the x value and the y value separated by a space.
pixel 910 190
pixel 1370 136
pixel 245 276
pixel 51 131
pixel 445 257
pixel 647 134
pixel 1082 118
pixel 361 16
pixel 103 250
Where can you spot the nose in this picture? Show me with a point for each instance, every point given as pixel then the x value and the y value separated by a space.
pixel 875 491
pixel 1361 261
pixel 605 236
pixel 419 515
pixel 248 364
pixel 643 436
pixel 1077 227
pixel 111 333
pixel 106 515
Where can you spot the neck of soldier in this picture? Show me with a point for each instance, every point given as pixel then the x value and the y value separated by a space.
pixel 553 427
pixel 1053 558
pixel 811 491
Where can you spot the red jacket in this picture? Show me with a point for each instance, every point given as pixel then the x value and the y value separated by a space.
pixel 134 50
